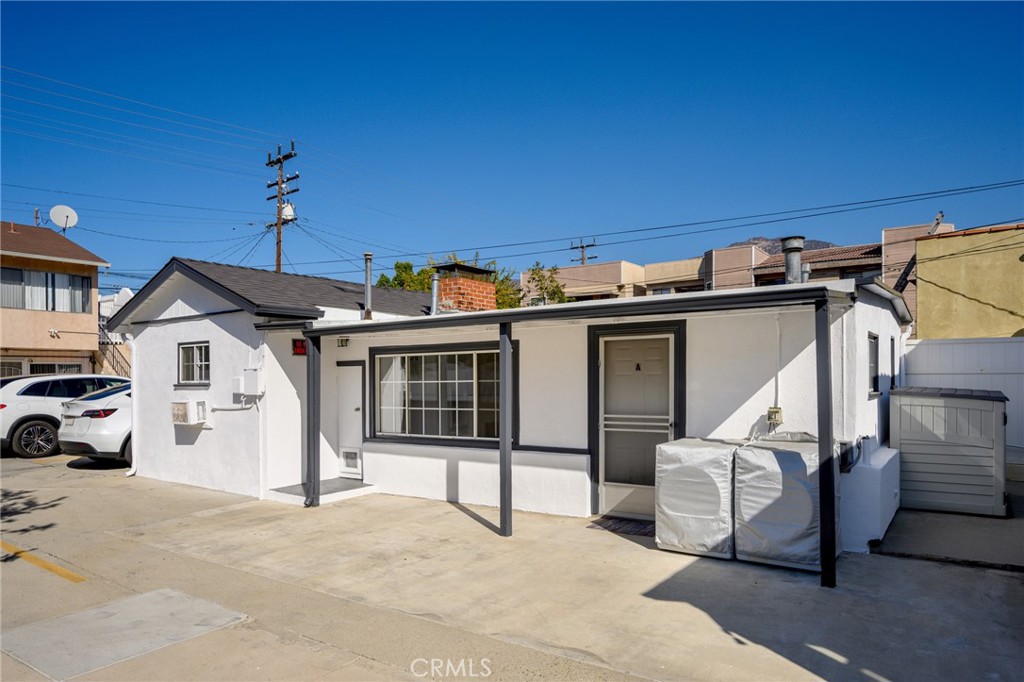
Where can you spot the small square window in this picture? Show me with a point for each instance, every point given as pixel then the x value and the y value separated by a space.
pixel 194 363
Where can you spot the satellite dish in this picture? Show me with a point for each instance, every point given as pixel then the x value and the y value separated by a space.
pixel 63 217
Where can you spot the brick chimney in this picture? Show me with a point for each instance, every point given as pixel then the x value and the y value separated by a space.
pixel 465 288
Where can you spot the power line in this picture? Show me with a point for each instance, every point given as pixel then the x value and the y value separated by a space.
pixel 121 153
pixel 133 201
pixel 254 247
pixel 327 245
pixel 324 228
pixel 235 248
pixel 161 241
pixel 847 207
pixel 127 111
pixel 127 123
pixel 134 101
pixel 148 217
pixel 139 141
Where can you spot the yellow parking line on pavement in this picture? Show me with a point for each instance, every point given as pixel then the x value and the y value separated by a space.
pixel 25 555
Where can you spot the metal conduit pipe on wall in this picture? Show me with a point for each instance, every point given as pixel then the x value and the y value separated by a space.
pixel 136 448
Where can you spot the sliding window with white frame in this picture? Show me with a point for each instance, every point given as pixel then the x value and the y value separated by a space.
pixel 437 395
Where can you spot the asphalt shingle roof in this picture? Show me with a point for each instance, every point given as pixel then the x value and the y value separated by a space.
pixel 43 242
pixel 266 289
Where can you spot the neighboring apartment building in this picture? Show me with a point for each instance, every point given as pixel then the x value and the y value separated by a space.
pixel 970 284
pixel 48 302
pixel 747 265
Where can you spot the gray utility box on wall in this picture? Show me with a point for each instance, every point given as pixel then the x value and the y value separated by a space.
pixel 952 445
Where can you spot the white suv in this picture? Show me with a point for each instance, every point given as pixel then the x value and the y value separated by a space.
pixel 99 424
pixel 30 408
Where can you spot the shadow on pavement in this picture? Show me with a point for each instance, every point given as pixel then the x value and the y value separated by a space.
pixel 89 464
pixel 20 503
pixel 476 517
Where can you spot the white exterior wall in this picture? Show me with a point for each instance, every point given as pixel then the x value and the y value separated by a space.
pixel 224 453
pixel 283 412
pixel 553 386
pixel 736 363
pixel 871 490
pixel 870 315
pixel 541 482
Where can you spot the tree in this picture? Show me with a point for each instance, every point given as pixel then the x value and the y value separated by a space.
pixel 542 284
pixel 507 293
pixel 406 278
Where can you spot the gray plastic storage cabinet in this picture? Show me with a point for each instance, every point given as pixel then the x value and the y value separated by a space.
pixel 952 445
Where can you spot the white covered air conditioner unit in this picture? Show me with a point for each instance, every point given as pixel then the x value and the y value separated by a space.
pixel 188 412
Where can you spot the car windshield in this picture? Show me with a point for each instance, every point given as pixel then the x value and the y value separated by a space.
pixel 7 380
pixel 106 392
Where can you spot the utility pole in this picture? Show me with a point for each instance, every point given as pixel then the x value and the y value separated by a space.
pixel 582 248
pixel 282 192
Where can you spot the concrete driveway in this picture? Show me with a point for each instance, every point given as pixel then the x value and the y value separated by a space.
pixel 392 580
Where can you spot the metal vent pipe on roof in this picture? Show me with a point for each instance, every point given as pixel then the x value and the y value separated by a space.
pixel 805 273
pixel 791 247
pixel 435 283
pixel 368 287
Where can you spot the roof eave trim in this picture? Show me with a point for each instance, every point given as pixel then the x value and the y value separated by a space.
pixel 644 305
pixel 176 266
pixel 56 259
pixel 899 304
pixel 288 311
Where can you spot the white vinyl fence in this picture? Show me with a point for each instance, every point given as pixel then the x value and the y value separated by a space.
pixel 992 364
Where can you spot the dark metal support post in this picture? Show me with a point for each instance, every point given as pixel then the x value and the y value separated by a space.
pixel 826 470
pixel 505 426
pixel 312 481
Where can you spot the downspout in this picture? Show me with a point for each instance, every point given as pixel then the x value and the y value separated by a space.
pixel 135 407
pixel 435 283
pixel 368 287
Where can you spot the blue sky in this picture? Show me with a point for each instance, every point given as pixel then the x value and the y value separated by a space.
pixel 427 127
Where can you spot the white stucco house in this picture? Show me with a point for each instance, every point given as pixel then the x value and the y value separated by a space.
pixel 551 409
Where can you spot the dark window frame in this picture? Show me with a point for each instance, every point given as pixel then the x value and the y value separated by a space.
pixel 209 365
pixel 874 379
pixel 79 291
pixel 892 362
pixel 447 441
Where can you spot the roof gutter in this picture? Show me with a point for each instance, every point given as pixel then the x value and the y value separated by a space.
pixel 648 305
pixel 57 259
pixel 877 287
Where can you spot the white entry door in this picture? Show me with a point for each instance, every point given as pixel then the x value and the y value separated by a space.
pixel 350 421
pixel 636 415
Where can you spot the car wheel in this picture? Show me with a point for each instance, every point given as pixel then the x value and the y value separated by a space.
pixel 126 452
pixel 35 439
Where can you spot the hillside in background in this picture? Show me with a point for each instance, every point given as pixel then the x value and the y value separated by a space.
pixel 775 246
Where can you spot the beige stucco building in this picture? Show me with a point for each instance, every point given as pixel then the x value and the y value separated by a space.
pixel 970 284
pixel 48 302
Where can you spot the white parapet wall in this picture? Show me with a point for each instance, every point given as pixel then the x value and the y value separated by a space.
pixel 541 482
pixel 870 498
